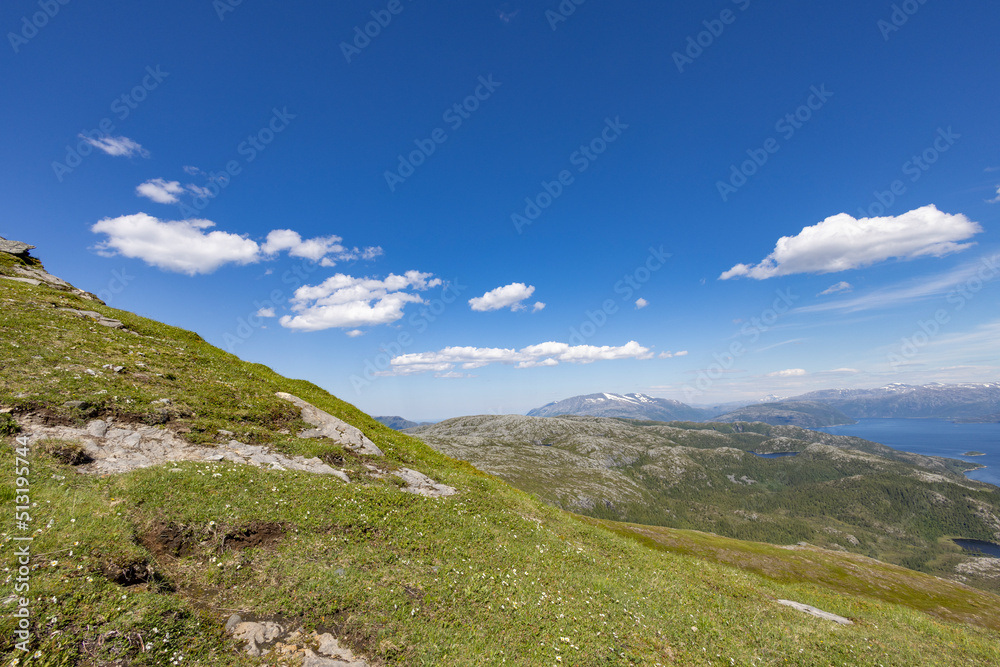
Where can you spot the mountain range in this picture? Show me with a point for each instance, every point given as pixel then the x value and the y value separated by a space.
pixel 902 401
pixel 829 407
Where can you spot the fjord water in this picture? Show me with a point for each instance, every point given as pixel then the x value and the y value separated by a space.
pixel 934 437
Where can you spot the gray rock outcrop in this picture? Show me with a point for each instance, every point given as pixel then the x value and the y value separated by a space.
pixel 14 247
pixel 117 448
pixel 328 426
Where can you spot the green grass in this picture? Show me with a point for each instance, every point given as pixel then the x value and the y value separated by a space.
pixel 490 576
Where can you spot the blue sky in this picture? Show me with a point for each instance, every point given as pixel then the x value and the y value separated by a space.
pixel 481 207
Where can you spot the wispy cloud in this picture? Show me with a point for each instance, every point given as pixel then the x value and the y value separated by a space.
pixel 842 286
pixel 543 354
pixel 842 242
pixel 781 344
pixel 901 293
pixel 788 373
pixel 116 146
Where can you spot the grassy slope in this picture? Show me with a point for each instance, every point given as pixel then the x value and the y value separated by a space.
pixel 486 577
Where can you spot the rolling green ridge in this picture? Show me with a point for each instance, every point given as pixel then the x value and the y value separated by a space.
pixel 143 568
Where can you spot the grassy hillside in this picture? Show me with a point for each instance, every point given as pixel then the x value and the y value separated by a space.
pixel 837 492
pixel 144 568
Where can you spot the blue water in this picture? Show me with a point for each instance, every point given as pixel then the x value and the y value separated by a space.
pixel 934 437
pixel 775 455
pixel 987 548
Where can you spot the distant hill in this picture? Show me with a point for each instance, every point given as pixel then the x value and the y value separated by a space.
pixel 902 401
pixel 807 414
pixel 396 423
pixel 628 406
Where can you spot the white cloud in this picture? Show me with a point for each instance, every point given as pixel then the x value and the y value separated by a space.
pixel 842 242
pixel 996 199
pixel 454 375
pixel 265 312
pixel 503 297
pixel 185 247
pixel 116 146
pixel 327 250
pixel 682 353
pixel 192 171
pixel 671 355
pixel 347 302
pixel 163 191
pixel 160 191
pixel 641 303
pixel 788 373
pixel 182 246
pixel 354 333
pixel 537 307
pixel 543 354
pixel 842 286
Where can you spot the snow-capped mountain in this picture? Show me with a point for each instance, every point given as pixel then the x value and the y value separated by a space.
pixel 903 401
pixel 629 406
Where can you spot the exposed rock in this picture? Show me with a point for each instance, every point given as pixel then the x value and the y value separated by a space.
pixel 100 319
pixel 422 485
pixel 14 247
pixel 328 426
pixel 257 634
pixel 269 637
pixel 115 448
pixel 819 613
pixel 416 482
pixel 29 281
